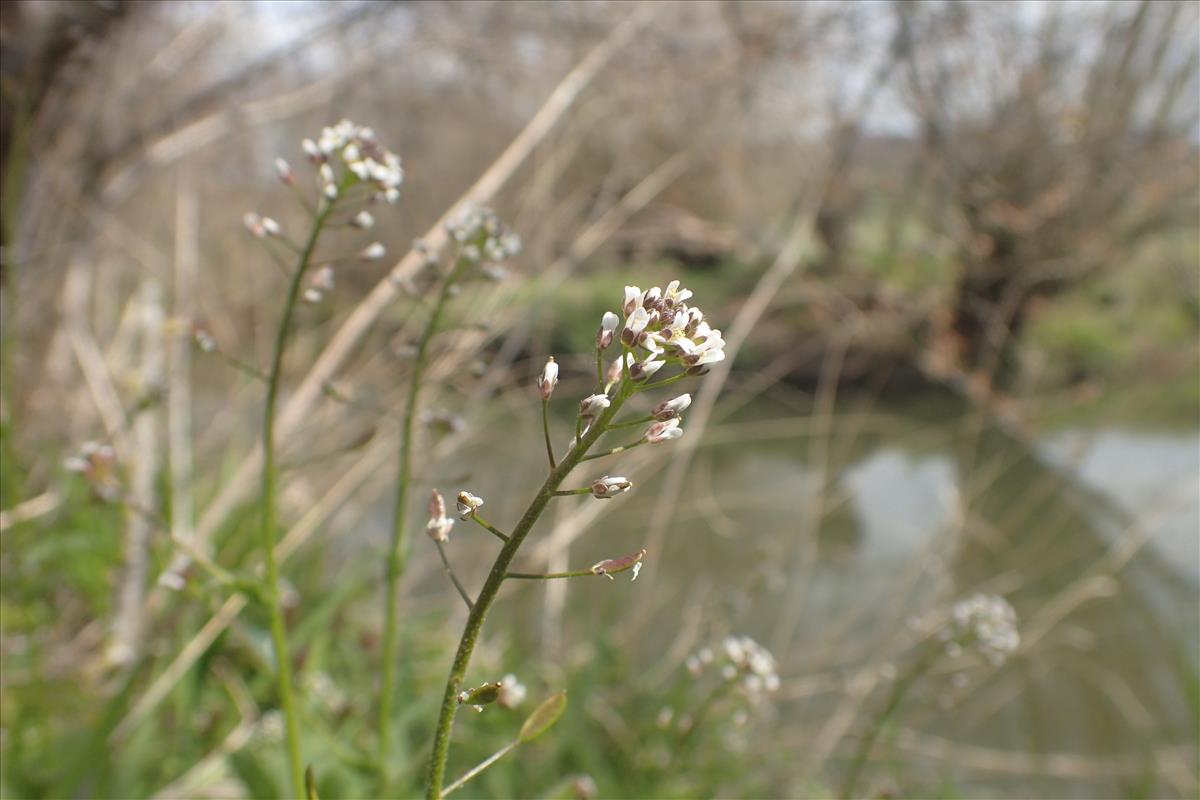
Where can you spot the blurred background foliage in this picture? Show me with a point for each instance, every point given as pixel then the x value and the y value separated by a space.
pixel 960 243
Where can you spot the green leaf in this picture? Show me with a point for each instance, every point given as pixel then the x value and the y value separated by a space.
pixel 543 717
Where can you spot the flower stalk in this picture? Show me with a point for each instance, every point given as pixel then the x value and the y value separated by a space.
pixel 491 587
pixel 397 558
pixel 269 507
pixel 659 323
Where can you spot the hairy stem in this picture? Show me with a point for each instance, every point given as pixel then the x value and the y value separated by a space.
pixel 269 509
pixel 397 558
pixel 491 587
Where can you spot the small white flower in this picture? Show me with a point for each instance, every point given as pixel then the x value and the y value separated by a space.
pixel 608 325
pixel 643 370
pixel 548 379
pixel 664 431
pixel 512 691
pixel 363 220
pixel 284 170
pixel 669 409
pixel 271 227
pixel 314 153
pixel 467 504
pixel 330 191
pixel 592 405
pixel 607 487
pixel 634 325
pixel 254 224
pixel 633 299
pixel 373 252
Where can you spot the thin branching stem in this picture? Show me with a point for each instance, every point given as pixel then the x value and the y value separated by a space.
pixel 490 528
pixel 491 587
pixel 633 423
pixel 268 508
pixel 481 766
pixel 546 431
pixel 615 450
pixel 549 576
pixel 599 370
pixel 571 492
pixel 397 552
pixel 450 574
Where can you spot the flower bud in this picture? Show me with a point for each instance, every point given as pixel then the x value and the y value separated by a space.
pixel 611 566
pixel 363 220
pixel 467 504
pixel 664 431
pixel 284 170
pixel 439 525
pixel 254 224
pixel 591 406
pixel 607 487
pixel 312 151
pixel 322 282
pixel 548 379
pixel 669 409
pixel 373 252
pixel 643 370
pixel 608 325
pixel 633 299
pixel 271 227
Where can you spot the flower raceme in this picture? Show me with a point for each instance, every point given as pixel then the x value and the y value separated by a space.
pixel 659 322
pixel 359 152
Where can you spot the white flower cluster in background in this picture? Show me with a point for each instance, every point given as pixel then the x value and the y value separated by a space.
pixel 988 623
pixel 739 659
pixel 484 238
pixel 357 150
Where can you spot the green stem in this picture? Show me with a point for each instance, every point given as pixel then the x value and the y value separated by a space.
pixel 490 527
pixel 705 709
pixel 645 387
pixel 462 592
pixel 549 576
pixel 397 552
pixel 899 690
pixel 599 370
pixel 615 450
pixel 269 503
pixel 491 587
pixel 546 431
pixel 633 423
pixel 572 492
pixel 481 766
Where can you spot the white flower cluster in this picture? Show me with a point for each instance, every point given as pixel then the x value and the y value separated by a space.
pixel 989 624
pixel 360 153
pixel 483 236
pixel 661 323
pixel 741 659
